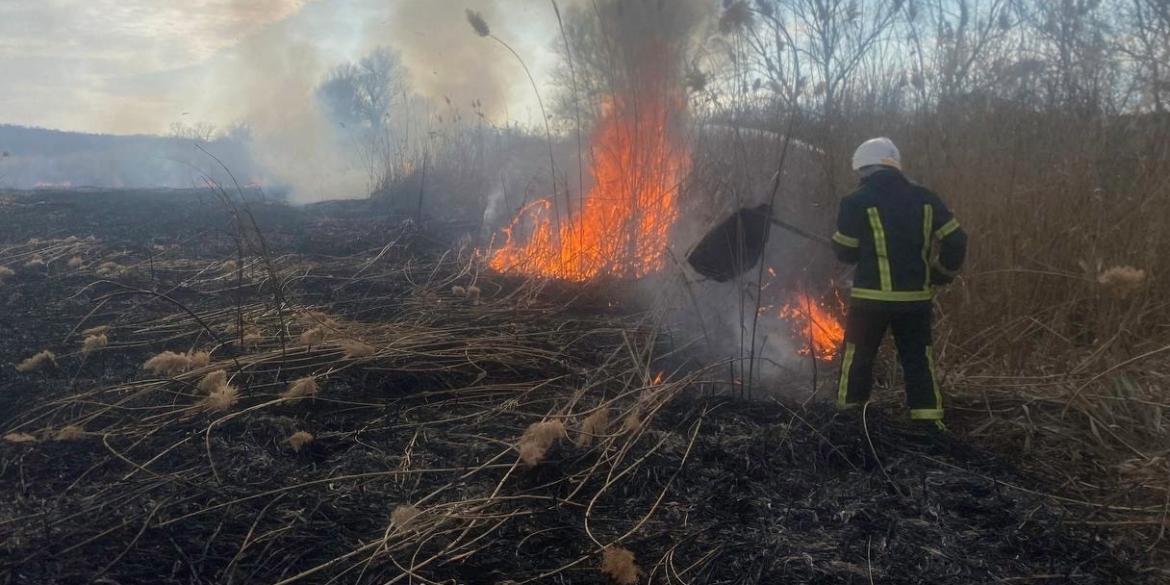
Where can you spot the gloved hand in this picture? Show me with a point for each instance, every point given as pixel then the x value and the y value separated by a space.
pixel 939 279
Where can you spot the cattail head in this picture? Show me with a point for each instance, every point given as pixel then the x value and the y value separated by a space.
pixel 1122 280
pixel 37 362
pixel 94 343
pixel 69 433
pixel 356 349
pixel 20 438
pixel 478 23
pixel 299 440
pixel 458 291
pixel 403 515
pixel 212 381
pixel 537 439
pixel 618 564
pixel 75 262
pixel 301 388
pixel 592 427
pixel 473 295
pixel 314 336
pixel 102 330
pixel 222 398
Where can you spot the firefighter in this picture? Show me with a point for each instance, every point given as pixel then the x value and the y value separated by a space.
pixel 904 242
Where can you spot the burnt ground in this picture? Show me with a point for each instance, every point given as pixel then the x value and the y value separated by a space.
pixel 148 487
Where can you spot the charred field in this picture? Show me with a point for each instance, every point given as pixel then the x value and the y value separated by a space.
pixel 352 398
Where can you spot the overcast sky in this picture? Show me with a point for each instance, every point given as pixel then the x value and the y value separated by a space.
pixel 136 66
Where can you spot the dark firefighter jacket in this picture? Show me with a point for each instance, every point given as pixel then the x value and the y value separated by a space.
pixel 902 237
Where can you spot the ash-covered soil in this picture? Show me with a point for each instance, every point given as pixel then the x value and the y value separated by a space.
pixel 113 474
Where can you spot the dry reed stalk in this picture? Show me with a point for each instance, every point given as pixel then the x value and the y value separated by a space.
pixel 37 362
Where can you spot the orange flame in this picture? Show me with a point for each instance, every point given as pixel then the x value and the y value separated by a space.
pixel 623 226
pixel 815 322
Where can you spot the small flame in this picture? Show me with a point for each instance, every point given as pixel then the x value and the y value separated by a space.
pixel 815 322
pixel 658 378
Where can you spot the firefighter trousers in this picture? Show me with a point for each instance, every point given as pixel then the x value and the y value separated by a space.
pixel 865 327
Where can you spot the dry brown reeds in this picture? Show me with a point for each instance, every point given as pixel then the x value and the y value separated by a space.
pixel 222 398
pixel 20 438
pixel 314 336
pixel 69 433
pixel 211 381
pixel 169 363
pixel 101 330
pixel 353 348
pixel 403 515
pixel 594 426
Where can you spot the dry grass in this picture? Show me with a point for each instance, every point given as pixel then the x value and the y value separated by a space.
pixel 473 293
pixel 102 330
pixel 37 362
pixel 618 564
pixel 229 267
pixel 110 269
pixel 171 364
pixel 221 399
pixel 458 291
pixel 35 262
pixel 75 263
pixel 302 388
pixel 5 272
pixel 1122 280
pixel 252 339
pixel 537 439
pixel 94 343
pixel 299 440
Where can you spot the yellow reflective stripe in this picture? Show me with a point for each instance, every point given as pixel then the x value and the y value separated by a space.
pixel 927 224
pixel 846 241
pixel 843 384
pixel 938 403
pixel 879 244
pixel 926 414
pixel 947 229
pixel 886 295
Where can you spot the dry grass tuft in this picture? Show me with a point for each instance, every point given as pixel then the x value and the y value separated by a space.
pixel 301 388
pixel 318 319
pixel 458 291
pixel 1122 280
pixel 229 267
pixel 71 240
pixel 200 359
pixel 314 336
pixel 5 272
pixel 403 516
pixel 618 564
pixel 222 398
pixel 252 339
pixel 356 349
pixel 593 426
pixel 20 438
pixel 35 262
pixel 473 295
pixel 537 439
pixel 299 440
pixel 37 362
pixel 104 329
pixel 212 381
pixel 69 433
pixel 75 263
pixel 94 343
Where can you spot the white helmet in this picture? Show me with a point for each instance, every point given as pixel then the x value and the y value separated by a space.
pixel 878 151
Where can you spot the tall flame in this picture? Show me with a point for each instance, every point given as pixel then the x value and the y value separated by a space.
pixel 814 322
pixel 623 226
